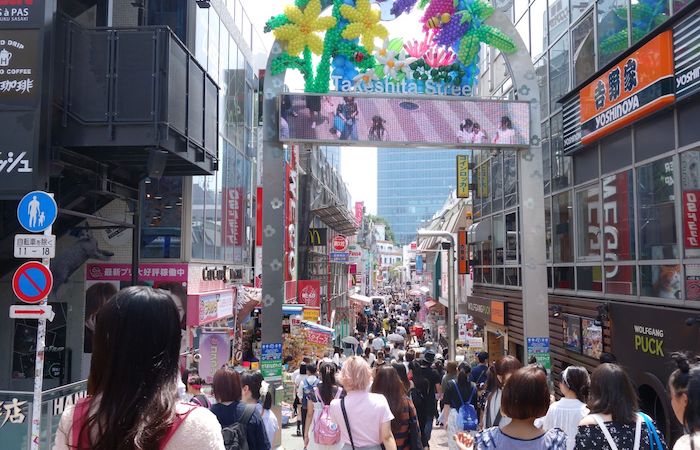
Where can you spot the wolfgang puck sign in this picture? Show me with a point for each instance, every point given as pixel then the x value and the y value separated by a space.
pixel 639 84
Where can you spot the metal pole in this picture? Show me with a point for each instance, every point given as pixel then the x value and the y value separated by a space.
pixel 35 443
pixel 136 237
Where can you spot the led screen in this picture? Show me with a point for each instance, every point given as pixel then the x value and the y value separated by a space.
pixel 395 121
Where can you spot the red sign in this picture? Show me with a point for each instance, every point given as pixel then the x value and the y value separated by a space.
pixel 32 282
pixel 310 293
pixel 691 209
pixel 258 217
pixel 290 219
pixel 414 246
pixel 317 337
pixel 290 292
pixel 233 210
pixel 359 212
pixel 462 258
pixel 340 243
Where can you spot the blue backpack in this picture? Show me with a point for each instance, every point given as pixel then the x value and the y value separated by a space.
pixel 467 414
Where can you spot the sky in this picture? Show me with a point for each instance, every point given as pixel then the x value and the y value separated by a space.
pixel 358 165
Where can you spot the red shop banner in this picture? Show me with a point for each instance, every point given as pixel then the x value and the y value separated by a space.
pixel 317 337
pixel 691 206
pixel 310 293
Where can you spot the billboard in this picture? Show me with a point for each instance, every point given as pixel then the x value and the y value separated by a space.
pixel 462 176
pixel 369 120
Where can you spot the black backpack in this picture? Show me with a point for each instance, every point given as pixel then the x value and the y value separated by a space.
pixel 236 435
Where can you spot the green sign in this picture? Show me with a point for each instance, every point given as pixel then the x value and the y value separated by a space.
pixel 271 362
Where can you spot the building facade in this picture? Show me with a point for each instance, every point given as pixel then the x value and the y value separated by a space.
pixel 620 176
pixel 412 185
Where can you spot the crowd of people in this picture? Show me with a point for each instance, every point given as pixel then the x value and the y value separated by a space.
pixel 390 402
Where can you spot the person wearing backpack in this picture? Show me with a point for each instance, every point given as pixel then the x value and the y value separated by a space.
pixel 460 397
pixel 322 432
pixel 404 426
pixel 614 422
pixel 243 427
pixel 254 391
pixel 306 388
pixel 194 391
pixel 132 388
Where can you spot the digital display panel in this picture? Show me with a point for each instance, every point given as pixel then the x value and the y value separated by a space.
pixel 372 121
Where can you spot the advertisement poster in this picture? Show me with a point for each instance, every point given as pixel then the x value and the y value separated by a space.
pixel 539 348
pixel 271 362
pixel 462 320
pixel 572 333
pixel 309 293
pixel 692 281
pixel 215 351
pixel 592 338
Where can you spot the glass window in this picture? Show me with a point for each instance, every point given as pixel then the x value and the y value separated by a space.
pixel 511 238
pixel 585 164
pixel 690 183
pixel 546 158
pixel 541 73
pixel 497 183
pixel 548 226
pixel 223 78
pixel 612 30
pixel 583 49
pixel 161 222
pixel 688 129
pixel 589 278
pixel 562 228
pixel 198 205
pixel 519 6
pixel 647 15
pixel 656 209
pixel 231 103
pixel 578 7
pixel 498 275
pixel 561 165
pixel 680 4
pixel 588 223
pixel 663 281
pixel 621 280
pixel 564 278
pixel 538 27
pixel 618 217
pixel 558 17
pixel 616 151
pixel 213 45
pixel 654 136
pixel 558 72
pixel 511 276
pixel 510 177
pixel 498 241
pixel 523 27
pixel 201 36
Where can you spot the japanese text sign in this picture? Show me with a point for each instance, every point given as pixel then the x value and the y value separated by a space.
pixel 639 84
pixel 462 253
pixel 691 216
pixel 122 272
pixel 309 293
pixel 462 176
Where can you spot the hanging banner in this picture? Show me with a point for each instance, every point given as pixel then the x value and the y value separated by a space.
pixel 359 212
pixel 309 293
pixel 215 351
pixel 691 219
pixel 462 253
pixel 462 176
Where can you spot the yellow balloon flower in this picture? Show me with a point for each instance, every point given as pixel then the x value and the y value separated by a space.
pixel 364 22
pixel 301 32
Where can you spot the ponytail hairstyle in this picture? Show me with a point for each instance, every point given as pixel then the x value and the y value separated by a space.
pixel 576 378
pixel 328 370
pixel 686 380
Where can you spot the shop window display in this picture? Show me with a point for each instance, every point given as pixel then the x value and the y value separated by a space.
pixel 692 282
pixel 656 210
pixel 662 281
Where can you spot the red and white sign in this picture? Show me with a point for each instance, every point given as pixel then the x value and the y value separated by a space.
pixel 290 218
pixel 147 272
pixel 310 293
pixel 691 216
pixel 414 246
pixel 32 282
pixel 32 312
pixel 317 337
pixel 258 217
pixel 340 243
pixel 210 307
pixel 359 212
pixel 233 209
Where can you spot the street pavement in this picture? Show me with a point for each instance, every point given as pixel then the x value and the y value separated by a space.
pixel 290 441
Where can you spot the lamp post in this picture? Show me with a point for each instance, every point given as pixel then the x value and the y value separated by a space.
pixel 451 304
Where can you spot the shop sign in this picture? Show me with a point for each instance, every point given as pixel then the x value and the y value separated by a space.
pixel 312 314
pixel 638 85
pixel 340 257
pixel 226 274
pixel 691 212
pixel 475 344
pixel 340 243
pixel 539 348
pixel 212 307
pixel 462 176
pixel 21 13
pixel 233 209
pixel 310 293
pixel 462 253
pixel 317 337
pixel 359 212
pixel 214 351
pixel 290 292
pixel 355 253
pixel 20 53
pixel 490 310
pixel 271 362
pixel 148 272
pixel 462 320
pixel 686 41
pixel 317 237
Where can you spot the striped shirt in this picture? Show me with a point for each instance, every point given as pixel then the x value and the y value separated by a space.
pixel 400 426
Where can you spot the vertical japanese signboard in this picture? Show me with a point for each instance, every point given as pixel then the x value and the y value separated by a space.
pixel 21 54
pixel 462 254
pixel 462 176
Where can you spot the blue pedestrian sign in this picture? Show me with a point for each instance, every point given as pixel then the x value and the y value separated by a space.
pixel 37 211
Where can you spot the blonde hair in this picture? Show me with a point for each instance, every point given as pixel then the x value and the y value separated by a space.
pixel 355 374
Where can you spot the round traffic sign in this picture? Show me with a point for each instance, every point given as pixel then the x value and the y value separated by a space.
pixel 32 282
pixel 340 243
pixel 37 211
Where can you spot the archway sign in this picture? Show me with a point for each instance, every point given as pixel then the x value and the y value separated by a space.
pixel 342 48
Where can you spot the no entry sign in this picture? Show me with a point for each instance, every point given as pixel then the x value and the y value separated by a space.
pixel 32 282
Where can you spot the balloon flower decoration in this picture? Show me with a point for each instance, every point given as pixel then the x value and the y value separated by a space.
pixel 346 42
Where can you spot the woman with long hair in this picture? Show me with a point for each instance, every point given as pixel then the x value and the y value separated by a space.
pixel 132 388
pixel 420 395
pixel 457 392
pixel 566 413
pixel 403 376
pixel 388 383
pixel 364 418
pixel 502 370
pixel 525 398
pixel 684 385
pixel 323 394
pixel 231 408
pixel 613 421
pixel 252 393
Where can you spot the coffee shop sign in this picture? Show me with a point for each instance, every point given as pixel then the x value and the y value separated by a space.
pixel 225 274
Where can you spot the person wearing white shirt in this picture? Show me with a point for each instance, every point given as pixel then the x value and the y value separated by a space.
pixel 505 133
pixel 568 412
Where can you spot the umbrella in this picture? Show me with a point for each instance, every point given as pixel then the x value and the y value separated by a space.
pixel 350 340
pixel 395 337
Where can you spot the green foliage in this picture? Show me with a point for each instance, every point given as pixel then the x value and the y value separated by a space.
pixel 382 221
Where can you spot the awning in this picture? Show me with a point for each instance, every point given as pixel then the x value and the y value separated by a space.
pixel 424 290
pixel 361 298
pixel 430 303
pixel 292 310
pixel 317 327
pixel 338 218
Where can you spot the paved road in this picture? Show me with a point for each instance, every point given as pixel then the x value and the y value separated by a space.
pixel 290 441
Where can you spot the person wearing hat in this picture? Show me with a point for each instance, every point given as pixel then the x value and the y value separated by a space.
pixel 434 388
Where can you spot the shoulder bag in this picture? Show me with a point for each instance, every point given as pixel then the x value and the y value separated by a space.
pixel 347 422
pixel 609 438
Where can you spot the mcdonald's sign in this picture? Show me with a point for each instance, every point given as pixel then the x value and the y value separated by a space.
pixel 317 237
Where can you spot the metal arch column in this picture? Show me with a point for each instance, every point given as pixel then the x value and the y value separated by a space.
pixel 531 190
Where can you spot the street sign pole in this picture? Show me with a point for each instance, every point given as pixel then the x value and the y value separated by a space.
pixel 39 366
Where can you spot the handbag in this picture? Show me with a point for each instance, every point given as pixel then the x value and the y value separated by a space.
pixel 347 422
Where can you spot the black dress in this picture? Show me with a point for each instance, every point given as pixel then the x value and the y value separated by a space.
pixel 590 437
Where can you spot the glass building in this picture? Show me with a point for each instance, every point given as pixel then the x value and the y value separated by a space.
pixel 413 184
